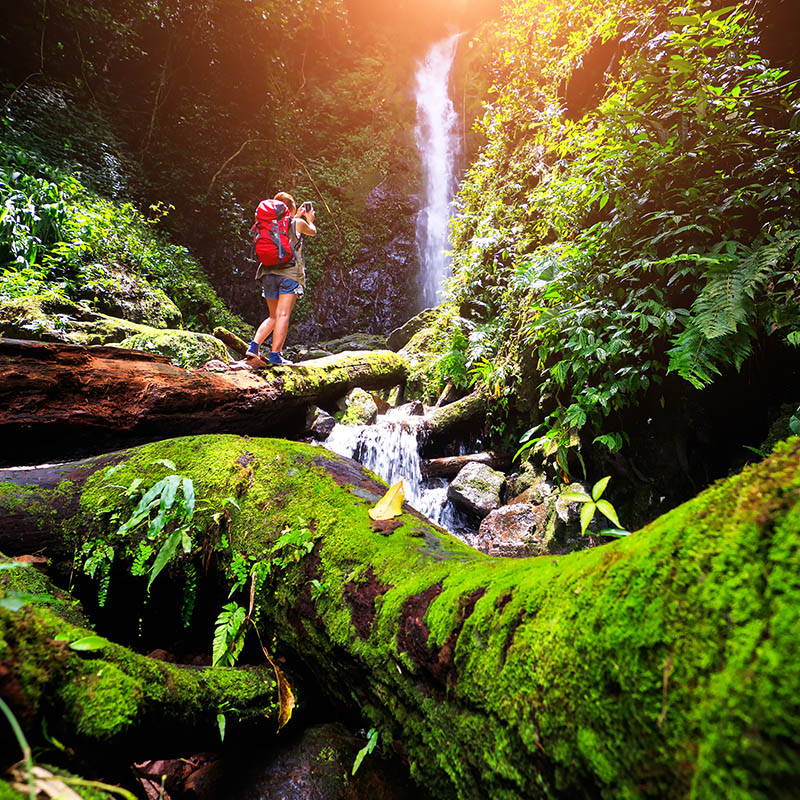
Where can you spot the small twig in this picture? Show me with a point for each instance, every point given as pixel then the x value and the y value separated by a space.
pixel 322 198
pixel 228 161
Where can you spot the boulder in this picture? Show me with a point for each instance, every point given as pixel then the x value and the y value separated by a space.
pixel 477 489
pixel 360 408
pixel 354 341
pixel 516 531
pixel 185 349
pixel 121 292
pixel 47 319
pixel 319 423
pixel 401 336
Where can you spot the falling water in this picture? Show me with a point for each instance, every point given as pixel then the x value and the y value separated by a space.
pixel 438 143
pixel 390 449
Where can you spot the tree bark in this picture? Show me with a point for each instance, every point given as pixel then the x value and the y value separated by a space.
pixel 58 400
pixel 449 466
pixel 445 422
pixel 660 665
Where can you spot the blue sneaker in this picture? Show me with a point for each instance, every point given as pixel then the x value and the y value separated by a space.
pixel 277 359
pixel 252 350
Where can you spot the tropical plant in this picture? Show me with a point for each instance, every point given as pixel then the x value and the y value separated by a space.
pixel 594 503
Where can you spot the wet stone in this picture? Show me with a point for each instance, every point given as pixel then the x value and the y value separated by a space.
pixel 477 489
pixel 514 531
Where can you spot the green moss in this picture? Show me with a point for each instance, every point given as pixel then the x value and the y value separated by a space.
pixel 665 661
pixel 185 348
pixel 105 693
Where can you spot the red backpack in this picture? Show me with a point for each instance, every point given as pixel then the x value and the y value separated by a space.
pixel 271 234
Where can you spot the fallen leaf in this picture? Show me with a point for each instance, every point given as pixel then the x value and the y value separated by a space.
pixel 391 504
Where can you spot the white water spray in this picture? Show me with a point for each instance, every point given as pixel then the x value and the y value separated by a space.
pixel 438 142
pixel 389 448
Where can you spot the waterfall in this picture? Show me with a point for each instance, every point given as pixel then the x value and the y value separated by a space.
pixel 438 142
pixel 390 449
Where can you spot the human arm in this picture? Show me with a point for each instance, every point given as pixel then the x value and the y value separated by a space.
pixel 304 221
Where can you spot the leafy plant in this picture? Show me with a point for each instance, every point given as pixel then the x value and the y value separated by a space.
pixel 594 503
pixel 372 741
pixel 228 634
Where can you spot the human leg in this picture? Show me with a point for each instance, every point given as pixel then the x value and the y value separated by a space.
pixel 283 312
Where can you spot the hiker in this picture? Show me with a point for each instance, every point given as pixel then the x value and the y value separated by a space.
pixel 281 283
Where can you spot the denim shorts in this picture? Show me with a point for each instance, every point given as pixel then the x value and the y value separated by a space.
pixel 273 285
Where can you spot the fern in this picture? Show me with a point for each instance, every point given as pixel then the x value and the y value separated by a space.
pixel 228 638
pixel 740 298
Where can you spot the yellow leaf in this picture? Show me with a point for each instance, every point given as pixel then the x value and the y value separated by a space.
pixel 285 697
pixel 391 504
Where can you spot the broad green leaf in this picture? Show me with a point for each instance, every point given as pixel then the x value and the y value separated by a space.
pixel 681 22
pixel 164 555
pixel 614 532
pixel 164 462
pixel 587 512
pixel 89 643
pixel 171 484
pixel 575 497
pixel 794 425
pixel 221 726
pixel 606 508
pixel 189 498
pixel 600 487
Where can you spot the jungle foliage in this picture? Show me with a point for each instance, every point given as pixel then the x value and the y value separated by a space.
pixel 62 241
pixel 634 212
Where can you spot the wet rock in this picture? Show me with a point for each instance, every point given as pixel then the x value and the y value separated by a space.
pixel 360 408
pixel 355 341
pixel 319 767
pixel 47 320
pixel 124 293
pixel 516 531
pixel 319 424
pixel 184 348
pixel 401 336
pixel 477 489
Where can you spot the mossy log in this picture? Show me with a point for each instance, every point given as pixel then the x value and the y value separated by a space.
pixel 444 422
pixel 59 400
pixel 664 665
pixel 90 691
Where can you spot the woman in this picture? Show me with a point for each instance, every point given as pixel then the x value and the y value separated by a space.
pixel 281 286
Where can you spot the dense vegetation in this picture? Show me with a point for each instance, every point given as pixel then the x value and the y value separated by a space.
pixel 633 214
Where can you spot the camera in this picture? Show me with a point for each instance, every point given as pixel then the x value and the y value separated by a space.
pixel 307 206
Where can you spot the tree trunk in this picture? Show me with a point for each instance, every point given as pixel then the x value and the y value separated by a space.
pixel 445 422
pixel 91 691
pixel 58 400
pixel 660 665
pixel 449 466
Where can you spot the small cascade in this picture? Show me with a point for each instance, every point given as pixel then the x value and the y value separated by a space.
pixel 390 449
pixel 437 136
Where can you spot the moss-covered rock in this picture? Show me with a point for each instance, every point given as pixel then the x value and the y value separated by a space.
pixel 185 348
pixel 88 688
pixel 47 319
pixel 360 408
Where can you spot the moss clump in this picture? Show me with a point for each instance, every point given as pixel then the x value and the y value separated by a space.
pixel 185 348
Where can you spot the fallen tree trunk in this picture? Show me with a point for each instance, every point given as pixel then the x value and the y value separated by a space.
pixel 449 466
pixel 58 400
pixel 662 665
pixel 91 692
pixel 445 422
